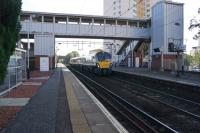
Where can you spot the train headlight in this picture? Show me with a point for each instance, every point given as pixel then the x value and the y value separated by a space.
pixel 98 65
pixel 110 65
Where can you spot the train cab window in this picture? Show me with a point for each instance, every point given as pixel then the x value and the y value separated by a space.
pixel 103 56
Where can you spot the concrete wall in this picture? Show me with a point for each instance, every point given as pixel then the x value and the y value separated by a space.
pixel 167 25
pixel 51 62
pixel 81 30
pixel 44 45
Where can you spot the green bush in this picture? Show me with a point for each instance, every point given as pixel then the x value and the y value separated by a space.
pixel 9 31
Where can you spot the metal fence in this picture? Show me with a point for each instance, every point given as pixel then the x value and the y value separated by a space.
pixel 16 71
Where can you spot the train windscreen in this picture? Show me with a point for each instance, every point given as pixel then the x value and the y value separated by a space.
pixel 103 56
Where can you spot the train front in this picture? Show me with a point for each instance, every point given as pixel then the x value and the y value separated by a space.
pixel 103 63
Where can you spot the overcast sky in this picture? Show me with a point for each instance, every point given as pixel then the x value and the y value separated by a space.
pixel 95 7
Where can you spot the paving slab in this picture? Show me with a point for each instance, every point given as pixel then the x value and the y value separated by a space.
pixel 13 101
pixel 32 83
pixel 46 77
pixel 40 114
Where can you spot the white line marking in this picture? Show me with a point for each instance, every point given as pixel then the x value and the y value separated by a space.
pixel 4 92
pixel 112 119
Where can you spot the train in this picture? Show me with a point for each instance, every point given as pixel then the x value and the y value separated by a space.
pixel 98 62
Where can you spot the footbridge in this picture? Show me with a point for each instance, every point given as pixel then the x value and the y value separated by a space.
pixel 84 26
pixel 44 27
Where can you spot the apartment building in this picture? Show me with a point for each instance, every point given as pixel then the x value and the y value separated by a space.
pixel 120 8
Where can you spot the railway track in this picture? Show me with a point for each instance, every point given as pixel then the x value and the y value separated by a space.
pixel 180 104
pixel 128 114
pixel 187 92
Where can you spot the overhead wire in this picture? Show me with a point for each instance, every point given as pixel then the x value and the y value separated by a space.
pixel 110 7
pixel 130 8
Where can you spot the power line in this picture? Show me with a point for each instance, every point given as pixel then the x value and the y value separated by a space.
pixel 130 8
pixel 110 7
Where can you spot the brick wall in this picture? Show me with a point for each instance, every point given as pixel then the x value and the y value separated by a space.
pixel 37 62
pixel 169 62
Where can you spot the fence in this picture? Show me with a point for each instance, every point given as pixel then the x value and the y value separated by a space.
pixel 16 71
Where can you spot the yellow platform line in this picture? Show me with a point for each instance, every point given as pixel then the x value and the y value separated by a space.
pixel 78 120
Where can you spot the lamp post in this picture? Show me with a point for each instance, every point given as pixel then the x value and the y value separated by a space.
pixel 162 59
pixel 57 57
pixel 179 49
pixel 28 47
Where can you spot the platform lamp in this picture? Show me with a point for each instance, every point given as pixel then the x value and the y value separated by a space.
pixel 28 47
pixel 28 42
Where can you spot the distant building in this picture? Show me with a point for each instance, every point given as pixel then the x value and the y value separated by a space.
pixel 144 7
pixel 120 8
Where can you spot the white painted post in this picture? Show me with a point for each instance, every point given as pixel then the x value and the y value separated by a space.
pixel 42 24
pixel 115 27
pixel 127 27
pixel 80 21
pixel 104 24
pixel 132 52
pixel 54 21
pixel 138 24
pixel 67 22
pixel 92 25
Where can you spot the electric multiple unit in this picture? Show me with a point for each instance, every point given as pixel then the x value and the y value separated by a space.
pixel 98 62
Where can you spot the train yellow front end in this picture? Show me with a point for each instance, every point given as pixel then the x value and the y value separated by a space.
pixel 104 67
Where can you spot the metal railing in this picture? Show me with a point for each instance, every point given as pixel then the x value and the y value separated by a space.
pixel 16 71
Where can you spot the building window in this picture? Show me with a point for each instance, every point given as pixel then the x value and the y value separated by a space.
pixel 114 2
pixel 119 12
pixel 148 5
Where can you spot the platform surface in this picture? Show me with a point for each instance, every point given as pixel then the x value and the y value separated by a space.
pixel 41 115
pixel 84 111
pixel 61 106
pixel 187 78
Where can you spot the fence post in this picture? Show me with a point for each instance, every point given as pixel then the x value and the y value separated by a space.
pixel 8 79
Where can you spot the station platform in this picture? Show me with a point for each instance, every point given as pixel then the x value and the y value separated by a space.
pixel 186 78
pixel 63 105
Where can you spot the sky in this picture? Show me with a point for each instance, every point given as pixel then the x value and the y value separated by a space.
pixel 95 7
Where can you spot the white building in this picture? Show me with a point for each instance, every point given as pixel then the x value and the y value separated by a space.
pixel 118 8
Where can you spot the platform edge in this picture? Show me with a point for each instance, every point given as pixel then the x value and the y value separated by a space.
pixel 110 117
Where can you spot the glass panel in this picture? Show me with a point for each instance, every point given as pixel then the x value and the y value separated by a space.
pixel 103 56
pixel 16 71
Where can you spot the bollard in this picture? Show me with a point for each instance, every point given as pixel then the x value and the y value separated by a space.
pixel 28 73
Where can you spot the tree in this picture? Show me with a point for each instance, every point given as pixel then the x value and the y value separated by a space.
pixel 9 31
pixel 195 24
pixel 197 58
pixel 188 59
pixel 69 56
